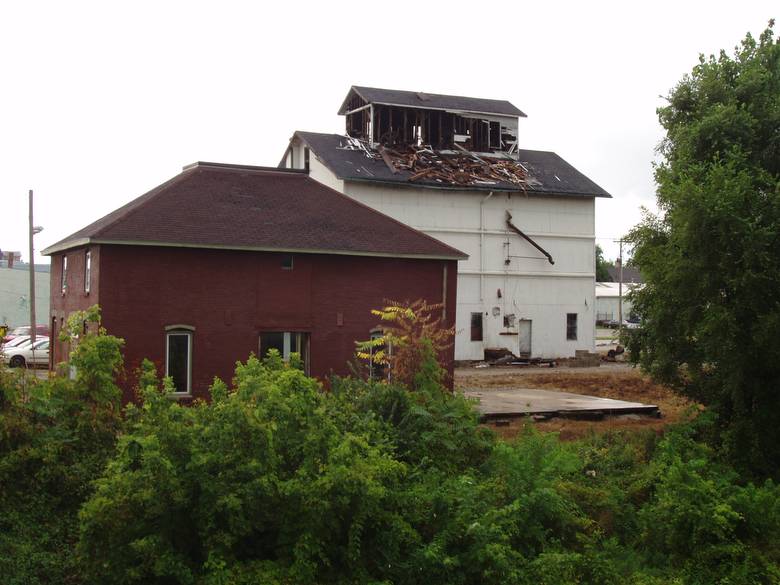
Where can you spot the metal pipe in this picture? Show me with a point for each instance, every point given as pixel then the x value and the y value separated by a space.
pixel 529 240
pixel 482 246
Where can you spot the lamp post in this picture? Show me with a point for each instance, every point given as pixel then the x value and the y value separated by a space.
pixel 33 230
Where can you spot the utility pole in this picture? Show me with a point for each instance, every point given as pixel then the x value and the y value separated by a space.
pixel 620 288
pixel 32 274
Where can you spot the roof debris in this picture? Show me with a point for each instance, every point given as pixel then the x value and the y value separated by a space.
pixel 462 168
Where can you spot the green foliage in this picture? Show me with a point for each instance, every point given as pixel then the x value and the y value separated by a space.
pixel 54 440
pixel 277 481
pixel 602 274
pixel 711 260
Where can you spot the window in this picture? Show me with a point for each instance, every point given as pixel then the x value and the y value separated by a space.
pixel 306 158
pixel 476 327
pixel 571 326
pixel 378 371
pixel 64 280
pixel 87 270
pixel 178 360
pixel 286 343
pixel 287 262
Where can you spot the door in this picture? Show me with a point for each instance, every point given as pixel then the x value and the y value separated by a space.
pixel 524 337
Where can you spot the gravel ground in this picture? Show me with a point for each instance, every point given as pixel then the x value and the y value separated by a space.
pixel 620 381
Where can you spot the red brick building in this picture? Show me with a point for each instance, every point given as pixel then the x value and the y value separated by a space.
pixel 222 261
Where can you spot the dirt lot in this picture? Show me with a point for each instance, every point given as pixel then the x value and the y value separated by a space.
pixel 618 381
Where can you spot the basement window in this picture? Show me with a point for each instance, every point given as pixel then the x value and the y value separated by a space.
pixel 571 326
pixel 178 360
pixel 476 326
pixel 286 343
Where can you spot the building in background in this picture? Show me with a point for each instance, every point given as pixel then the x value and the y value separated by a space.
pixel 608 301
pixel 453 168
pixel 227 260
pixel 15 292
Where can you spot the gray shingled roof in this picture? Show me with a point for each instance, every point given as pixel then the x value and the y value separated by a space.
pixel 211 205
pixel 414 99
pixel 549 173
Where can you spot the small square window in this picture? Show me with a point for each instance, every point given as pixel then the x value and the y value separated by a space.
pixel 571 326
pixel 287 263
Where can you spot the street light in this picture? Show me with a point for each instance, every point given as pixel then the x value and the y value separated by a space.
pixel 34 229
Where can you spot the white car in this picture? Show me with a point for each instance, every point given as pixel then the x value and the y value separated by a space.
pixel 27 355
pixel 17 342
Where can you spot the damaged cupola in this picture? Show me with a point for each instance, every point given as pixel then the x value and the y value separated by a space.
pixel 442 122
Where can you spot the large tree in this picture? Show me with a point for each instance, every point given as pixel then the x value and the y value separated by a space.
pixel 711 257
pixel 602 266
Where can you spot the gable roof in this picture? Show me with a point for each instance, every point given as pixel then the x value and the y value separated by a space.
pixel 630 274
pixel 431 101
pixel 212 205
pixel 548 173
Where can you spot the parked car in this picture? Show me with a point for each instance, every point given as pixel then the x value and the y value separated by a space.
pixel 42 330
pixel 18 341
pixel 27 354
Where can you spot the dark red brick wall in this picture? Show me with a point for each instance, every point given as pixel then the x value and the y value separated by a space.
pixel 230 296
pixel 75 297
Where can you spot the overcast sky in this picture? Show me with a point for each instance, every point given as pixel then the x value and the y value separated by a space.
pixel 102 101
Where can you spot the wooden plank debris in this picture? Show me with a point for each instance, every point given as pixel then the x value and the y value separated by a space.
pixel 462 169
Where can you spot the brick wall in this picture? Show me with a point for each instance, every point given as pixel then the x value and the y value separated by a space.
pixel 229 297
pixel 75 298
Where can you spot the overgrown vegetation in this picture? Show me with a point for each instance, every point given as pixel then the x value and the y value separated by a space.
pixel 277 481
pixel 711 259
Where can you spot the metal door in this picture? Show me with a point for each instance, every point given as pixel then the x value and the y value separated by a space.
pixel 524 337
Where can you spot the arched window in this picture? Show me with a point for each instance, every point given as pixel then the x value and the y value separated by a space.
pixel 178 357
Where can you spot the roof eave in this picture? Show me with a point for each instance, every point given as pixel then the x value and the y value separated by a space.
pixel 66 245
pixel 83 241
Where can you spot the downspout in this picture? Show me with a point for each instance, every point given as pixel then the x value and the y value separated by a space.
pixel 482 246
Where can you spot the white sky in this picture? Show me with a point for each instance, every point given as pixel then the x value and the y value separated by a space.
pixel 100 102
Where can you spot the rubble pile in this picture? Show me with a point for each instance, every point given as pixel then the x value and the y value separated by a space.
pixel 464 168
pixel 455 169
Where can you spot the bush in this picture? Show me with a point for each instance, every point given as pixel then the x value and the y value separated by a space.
pixel 56 437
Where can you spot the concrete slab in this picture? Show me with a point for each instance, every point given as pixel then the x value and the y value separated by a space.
pixel 505 402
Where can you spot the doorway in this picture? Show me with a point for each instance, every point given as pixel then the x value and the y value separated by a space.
pixel 524 337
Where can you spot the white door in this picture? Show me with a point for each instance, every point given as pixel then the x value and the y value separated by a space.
pixel 524 337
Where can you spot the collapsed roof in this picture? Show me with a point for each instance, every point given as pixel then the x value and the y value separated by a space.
pixel 533 171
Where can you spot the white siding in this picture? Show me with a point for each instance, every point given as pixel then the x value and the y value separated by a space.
pixel 500 260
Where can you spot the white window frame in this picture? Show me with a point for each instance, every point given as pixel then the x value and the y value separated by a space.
pixel 187 331
pixel 64 279
pixel 87 270
pixel 287 346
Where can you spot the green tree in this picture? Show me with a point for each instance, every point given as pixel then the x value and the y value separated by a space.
pixel 602 274
pixel 711 258
pixel 55 438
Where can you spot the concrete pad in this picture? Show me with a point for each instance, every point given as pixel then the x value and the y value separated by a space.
pixel 502 402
